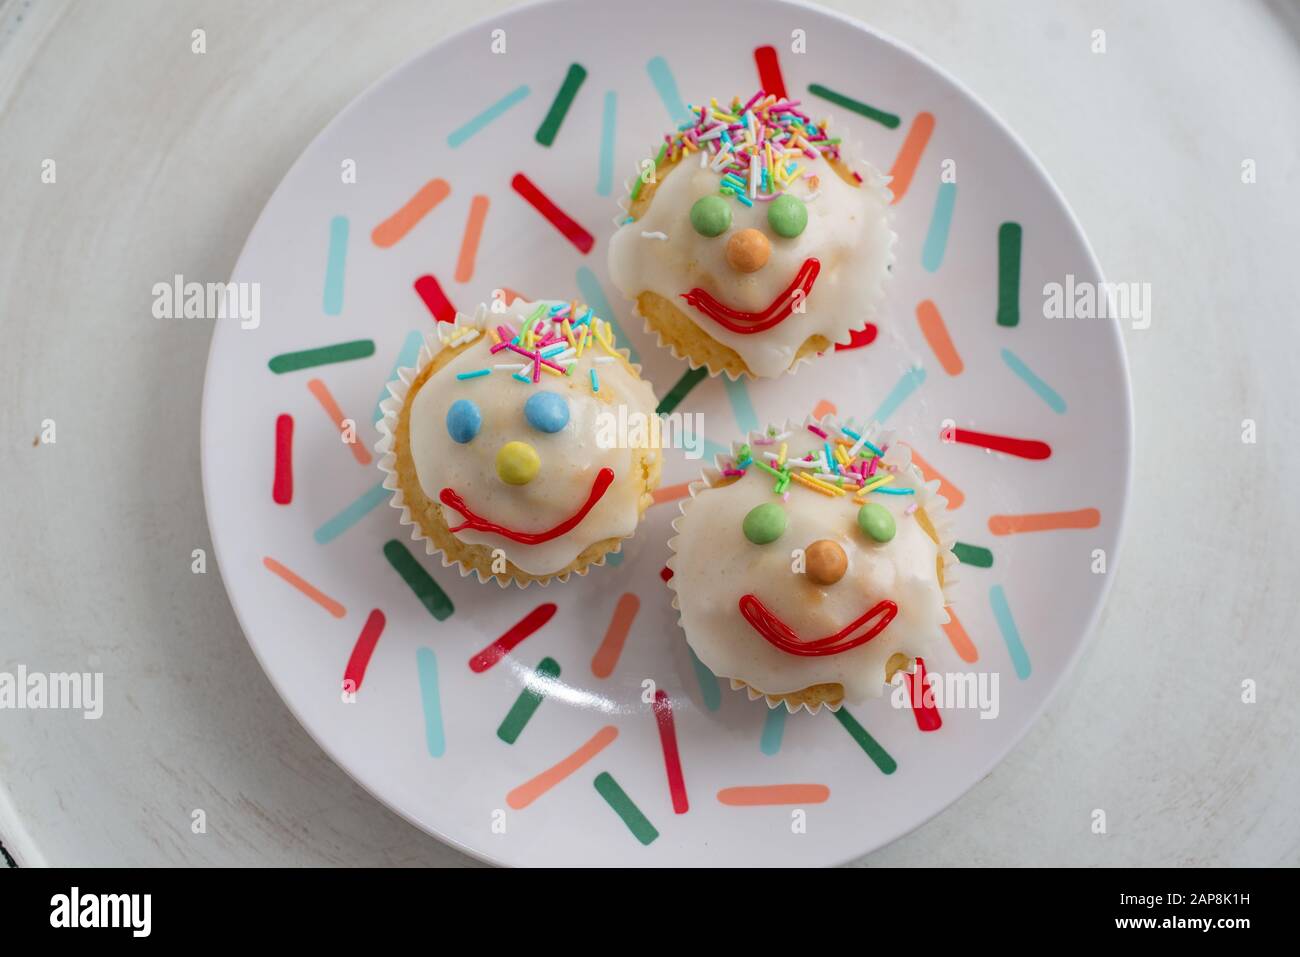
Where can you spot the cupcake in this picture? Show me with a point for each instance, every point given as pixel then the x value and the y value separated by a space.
pixel 812 565
pixel 754 243
pixel 503 448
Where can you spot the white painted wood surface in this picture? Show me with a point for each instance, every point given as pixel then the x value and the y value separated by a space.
pixel 164 160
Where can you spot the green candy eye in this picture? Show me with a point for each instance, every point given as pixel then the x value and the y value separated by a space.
pixel 787 215
pixel 877 522
pixel 711 216
pixel 764 523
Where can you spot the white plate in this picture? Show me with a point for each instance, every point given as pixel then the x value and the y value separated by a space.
pixel 437 758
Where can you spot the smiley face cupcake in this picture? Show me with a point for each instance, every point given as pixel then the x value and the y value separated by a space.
pixel 753 242
pixel 812 565
pixel 499 448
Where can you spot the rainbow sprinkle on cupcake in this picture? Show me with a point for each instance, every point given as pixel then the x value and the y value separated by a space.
pixel 756 147
pixel 551 339
pixel 839 462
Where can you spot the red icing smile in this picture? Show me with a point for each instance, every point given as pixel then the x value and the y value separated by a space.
pixel 747 323
pixel 780 635
pixel 604 478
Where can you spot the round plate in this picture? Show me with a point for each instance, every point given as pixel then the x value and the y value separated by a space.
pixel 494 162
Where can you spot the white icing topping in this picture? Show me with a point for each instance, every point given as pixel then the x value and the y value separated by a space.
pixel 570 458
pixel 714 565
pixel 848 232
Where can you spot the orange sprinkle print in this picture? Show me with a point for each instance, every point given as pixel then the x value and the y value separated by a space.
pixel 959 640
pixel 936 334
pixel 918 135
pixel 323 396
pixel 767 794
pixel 478 209
pixel 415 209
pixel 1044 521
pixel 311 591
pixel 671 493
pixel 952 493
pixel 531 790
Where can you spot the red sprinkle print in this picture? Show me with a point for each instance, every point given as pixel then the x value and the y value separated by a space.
pixel 435 299
pixel 494 652
pixel 927 715
pixel 672 759
pixel 282 487
pixel 769 71
pixel 859 338
pixel 1024 448
pixel 666 573
pixel 361 651
pixel 553 214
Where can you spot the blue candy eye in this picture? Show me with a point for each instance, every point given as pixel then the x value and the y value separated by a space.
pixel 547 411
pixel 463 421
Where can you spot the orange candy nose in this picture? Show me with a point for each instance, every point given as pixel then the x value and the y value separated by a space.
pixel 825 562
pixel 748 250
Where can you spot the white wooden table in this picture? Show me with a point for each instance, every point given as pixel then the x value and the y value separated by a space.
pixel 164 159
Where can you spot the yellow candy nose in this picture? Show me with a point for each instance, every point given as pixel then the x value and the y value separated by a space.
pixel 517 463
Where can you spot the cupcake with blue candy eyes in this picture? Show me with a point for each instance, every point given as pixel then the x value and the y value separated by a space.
pixel 813 564
pixel 752 242
pixel 503 446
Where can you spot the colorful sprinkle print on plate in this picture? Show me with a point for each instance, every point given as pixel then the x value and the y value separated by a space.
pixel 570 725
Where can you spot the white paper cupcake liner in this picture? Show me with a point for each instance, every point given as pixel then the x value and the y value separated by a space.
pixel 391 409
pixel 897 454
